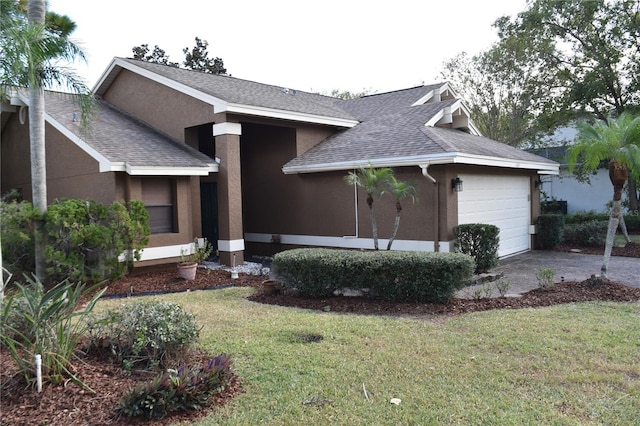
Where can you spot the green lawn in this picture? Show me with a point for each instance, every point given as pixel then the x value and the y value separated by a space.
pixel 620 241
pixel 565 365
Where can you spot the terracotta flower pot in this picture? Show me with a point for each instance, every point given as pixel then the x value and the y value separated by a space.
pixel 269 286
pixel 187 271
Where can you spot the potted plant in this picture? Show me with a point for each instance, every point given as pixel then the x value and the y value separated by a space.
pixel 187 267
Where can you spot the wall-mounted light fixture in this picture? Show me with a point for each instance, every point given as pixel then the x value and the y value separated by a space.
pixel 538 183
pixel 456 184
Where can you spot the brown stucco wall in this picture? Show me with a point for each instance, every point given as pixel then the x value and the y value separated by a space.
pixel 160 106
pixel 71 173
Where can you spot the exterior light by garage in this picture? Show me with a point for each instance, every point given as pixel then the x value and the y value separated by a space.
pixel 456 184
pixel 538 183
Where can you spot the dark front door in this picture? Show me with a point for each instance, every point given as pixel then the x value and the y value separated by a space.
pixel 209 210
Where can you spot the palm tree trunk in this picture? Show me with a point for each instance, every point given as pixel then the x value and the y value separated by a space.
pixel 623 227
pixel 36 14
pixel 611 234
pixel 396 225
pixel 374 228
pixel 618 176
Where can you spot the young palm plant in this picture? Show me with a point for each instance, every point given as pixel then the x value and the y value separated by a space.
pixel 372 181
pixel 617 142
pixel 399 190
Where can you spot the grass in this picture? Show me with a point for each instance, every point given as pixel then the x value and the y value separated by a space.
pixel 620 241
pixel 564 365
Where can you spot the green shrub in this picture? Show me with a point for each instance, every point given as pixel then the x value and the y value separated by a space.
pixel 389 275
pixel 85 238
pixel 545 278
pixel 17 233
pixel 188 388
pixel 592 234
pixel 480 241
pixel 585 216
pixel 145 334
pixel 550 230
pixel 633 222
pixel 46 322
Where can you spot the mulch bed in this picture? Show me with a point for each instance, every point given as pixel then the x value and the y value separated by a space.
pixel 70 405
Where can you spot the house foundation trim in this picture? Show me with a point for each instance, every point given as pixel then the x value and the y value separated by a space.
pixel 349 242
pixel 231 245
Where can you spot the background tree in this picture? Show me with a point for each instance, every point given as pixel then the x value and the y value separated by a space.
pixel 372 181
pixel 500 88
pixel 399 190
pixel 31 53
pixel 196 59
pixel 589 55
pixel 158 55
pixel 617 141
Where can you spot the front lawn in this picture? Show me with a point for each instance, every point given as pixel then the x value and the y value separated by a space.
pixel 569 364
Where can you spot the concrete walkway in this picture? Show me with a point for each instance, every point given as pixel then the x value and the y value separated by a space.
pixel 520 270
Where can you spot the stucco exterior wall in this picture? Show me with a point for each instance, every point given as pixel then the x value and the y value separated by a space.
pixel 71 173
pixel 160 106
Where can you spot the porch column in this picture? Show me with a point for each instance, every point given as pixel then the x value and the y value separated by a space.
pixel 230 232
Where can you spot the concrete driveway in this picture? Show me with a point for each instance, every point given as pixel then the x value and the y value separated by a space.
pixel 521 269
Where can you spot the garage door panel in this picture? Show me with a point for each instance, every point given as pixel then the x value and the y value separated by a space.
pixel 502 201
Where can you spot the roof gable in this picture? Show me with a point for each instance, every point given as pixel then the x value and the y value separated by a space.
pixel 118 142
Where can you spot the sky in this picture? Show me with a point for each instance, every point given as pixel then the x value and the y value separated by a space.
pixel 345 45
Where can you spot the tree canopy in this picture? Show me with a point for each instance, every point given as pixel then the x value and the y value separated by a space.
pixel 196 58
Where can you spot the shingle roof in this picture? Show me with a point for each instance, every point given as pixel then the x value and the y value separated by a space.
pixel 244 92
pixel 120 138
pixel 392 130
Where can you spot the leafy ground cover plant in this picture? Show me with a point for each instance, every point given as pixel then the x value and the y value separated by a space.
pixel 145 334
pixel 187 388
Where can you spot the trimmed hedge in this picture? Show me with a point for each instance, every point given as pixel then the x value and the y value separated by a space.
pixel 390 275
pixel 592 234
pixel 550 230
pixel 480 241
pixel 631 220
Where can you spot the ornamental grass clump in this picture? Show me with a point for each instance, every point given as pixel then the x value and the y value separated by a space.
pixel 47 322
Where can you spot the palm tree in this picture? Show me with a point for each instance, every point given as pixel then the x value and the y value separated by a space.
pixel 618 142
pixel 30 51
pixel 399 190
pixel 372 180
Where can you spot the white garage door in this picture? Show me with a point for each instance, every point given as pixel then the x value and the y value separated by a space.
pixel 498 200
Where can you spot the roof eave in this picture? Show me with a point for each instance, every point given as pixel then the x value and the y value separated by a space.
pixel 219 105
pixel 170 171
pixel 283 115
pixel 446 158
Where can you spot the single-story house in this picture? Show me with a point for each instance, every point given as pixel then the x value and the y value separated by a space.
pixel 259 168
pixel 578 196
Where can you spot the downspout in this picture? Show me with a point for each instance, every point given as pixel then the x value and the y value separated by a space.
pixel 436 203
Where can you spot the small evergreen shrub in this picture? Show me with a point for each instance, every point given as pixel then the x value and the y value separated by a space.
pixel 591 234
pixel 145 334
pixel 188 388
pixel 480 241
pixel 389 275
pixel 545 278
pixel 17 230
pixel 85 238
pixel 550 230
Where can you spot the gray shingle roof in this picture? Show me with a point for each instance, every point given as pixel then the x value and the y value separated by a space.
pixel 122 139
pixel 244 92
pixel 392 129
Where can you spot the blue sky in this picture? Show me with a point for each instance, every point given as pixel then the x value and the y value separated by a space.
pixel 312 46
